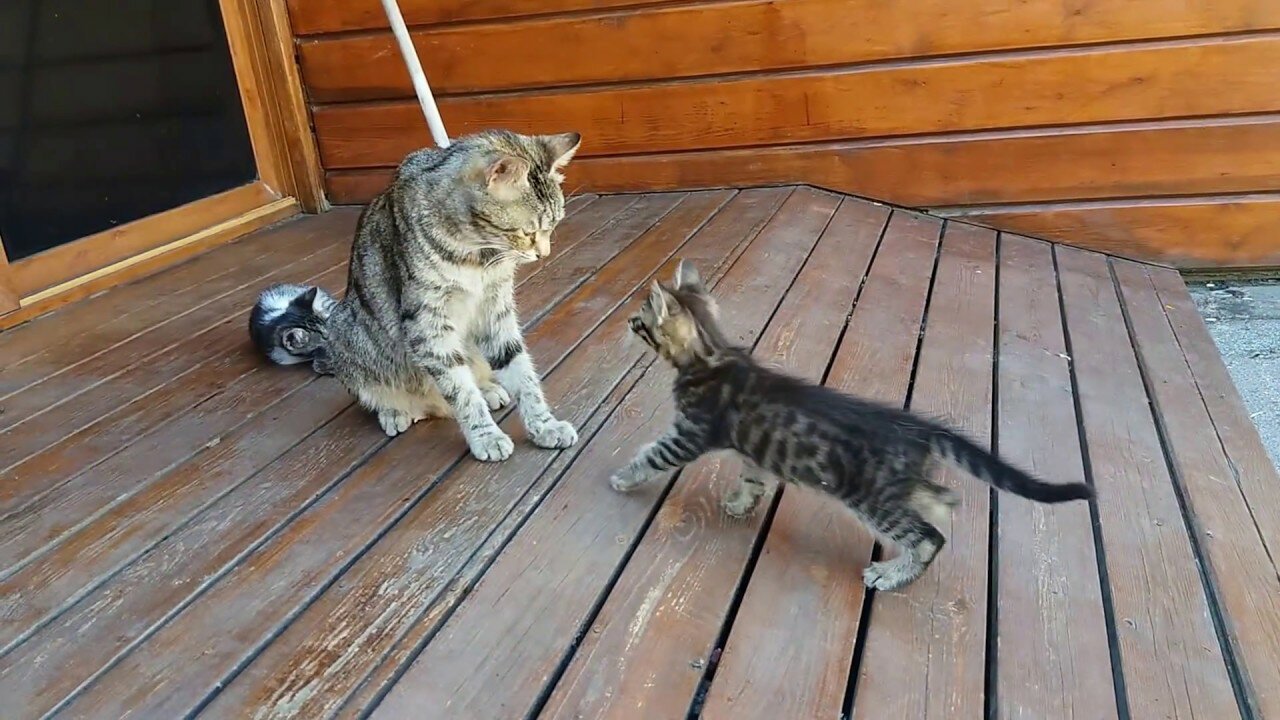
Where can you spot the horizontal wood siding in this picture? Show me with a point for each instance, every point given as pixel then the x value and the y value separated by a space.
pixel 930 104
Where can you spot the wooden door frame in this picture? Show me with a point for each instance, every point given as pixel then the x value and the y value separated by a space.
pixel 290 179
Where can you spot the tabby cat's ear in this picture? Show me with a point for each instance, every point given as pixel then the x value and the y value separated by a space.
pixel 506 174
pixel 687 277
pixel 658 301
pixel 561 148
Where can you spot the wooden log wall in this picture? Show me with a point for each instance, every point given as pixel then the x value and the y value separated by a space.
pixel 1145 128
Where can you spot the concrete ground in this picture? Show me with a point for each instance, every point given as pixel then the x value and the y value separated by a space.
pixel 1244 320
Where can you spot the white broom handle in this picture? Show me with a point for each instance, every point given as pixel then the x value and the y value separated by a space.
pixel 419 78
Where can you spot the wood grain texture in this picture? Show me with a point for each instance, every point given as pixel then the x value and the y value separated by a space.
pixel 148 263
pixel 803 569
pixel 296 565
pixel 93 415
pixel 935 627
pixel 656 632
pixel 137 524
pixel 323 16
pixel 1094 162
pixel 1245 581
pixel 514 611
pixel 1161 80
pixel 733 230
pixel 1052 656
pixel 8 291
pixel 700 39
pixel 86 330
pixel 1251 466
pixel 64 262
pixel 1169 652
pixel 323 460
pixel 1231 231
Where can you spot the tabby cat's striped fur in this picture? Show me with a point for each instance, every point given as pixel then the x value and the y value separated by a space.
pixel 877 460
pixel 428 325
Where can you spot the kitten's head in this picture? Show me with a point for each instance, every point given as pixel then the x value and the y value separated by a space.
pixel 680 320
pixel 518 178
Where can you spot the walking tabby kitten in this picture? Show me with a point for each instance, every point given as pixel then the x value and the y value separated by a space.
pixel 877 460
pixel 429 319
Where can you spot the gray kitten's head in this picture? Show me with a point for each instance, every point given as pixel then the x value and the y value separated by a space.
pixel 505 187
pixel 680 320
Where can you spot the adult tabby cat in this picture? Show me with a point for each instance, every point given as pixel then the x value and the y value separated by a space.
pixel 428 322
pixel 877 460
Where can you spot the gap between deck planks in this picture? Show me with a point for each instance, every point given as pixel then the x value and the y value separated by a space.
pixel 107 542
pixel 262 596
pixel 522 608
pixel 322 571
pixel 414 606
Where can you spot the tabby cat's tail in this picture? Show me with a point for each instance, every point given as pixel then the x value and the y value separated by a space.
pixel 289 324
pixel 991 469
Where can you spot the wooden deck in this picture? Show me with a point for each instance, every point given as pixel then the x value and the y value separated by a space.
pixel 185 531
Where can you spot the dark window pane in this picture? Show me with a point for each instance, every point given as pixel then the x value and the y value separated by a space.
pixel 112 110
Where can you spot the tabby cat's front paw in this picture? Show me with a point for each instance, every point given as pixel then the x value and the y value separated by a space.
pixel 554 434
pixel 627 479
pixel 491 445
pixel 394 422
pixel 495 396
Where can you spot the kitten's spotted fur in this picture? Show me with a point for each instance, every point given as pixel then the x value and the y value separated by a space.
pixel 428 324
pixel 879 461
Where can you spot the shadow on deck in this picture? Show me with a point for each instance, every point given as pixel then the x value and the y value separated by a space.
pixel 187 531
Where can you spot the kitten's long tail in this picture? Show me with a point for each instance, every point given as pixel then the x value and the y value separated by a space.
pixel 289 325
pixel 991 469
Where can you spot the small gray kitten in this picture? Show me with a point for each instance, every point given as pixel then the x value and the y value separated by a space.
pixel 877 460
pixel 428 324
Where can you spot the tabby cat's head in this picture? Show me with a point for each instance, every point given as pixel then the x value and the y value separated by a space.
pixel 519 177
pixel 680 320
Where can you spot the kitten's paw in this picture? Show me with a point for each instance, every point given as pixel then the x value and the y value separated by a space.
pixel 495 396
pixel 394 422
pixel 890 574
pixel 553 434
pixel 626 480
pixel 740 503
pixel 491 445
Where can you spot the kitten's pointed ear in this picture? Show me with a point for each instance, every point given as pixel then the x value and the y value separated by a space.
pixel 562 148
pixel 309 297
pixel 658 300
pixel 505 174
pixel 687 277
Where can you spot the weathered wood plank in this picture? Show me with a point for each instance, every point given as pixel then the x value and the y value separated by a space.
pixel 513 626
pixel 1158 81
pixel 72 438
pixel 415 604
pixel 672 598
pixel 77 332
pixel 701 39
pixel 808 538
pixel 237 523
pixel 1251 466
pixel 1052 655
pixel 1215 231
pixel 261 596
pixel 936 627
pixel 1172 663
pixel 1241 570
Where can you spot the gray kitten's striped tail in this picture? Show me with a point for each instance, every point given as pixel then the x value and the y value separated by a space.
pixel 289 325
pixel 999 474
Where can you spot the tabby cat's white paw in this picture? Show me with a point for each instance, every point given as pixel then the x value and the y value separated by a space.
pixel 495 396
pixel 394 422
pixel 627 479
pixel 491 445
pixel 554 434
